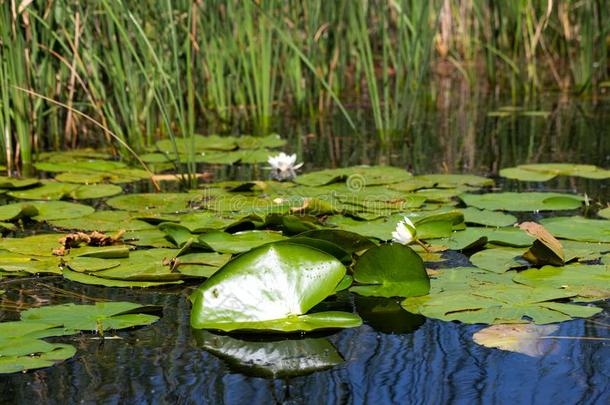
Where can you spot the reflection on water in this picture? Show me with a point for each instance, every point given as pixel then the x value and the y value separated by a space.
pixel 395 357
pixel 424 362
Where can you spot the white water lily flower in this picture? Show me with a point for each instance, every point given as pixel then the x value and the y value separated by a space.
pixel 405 232
pixel 283 166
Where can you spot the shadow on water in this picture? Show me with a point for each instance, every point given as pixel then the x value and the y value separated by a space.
pixel 395 357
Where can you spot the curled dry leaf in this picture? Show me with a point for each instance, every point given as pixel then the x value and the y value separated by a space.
pixel 519 338
pixel 546 249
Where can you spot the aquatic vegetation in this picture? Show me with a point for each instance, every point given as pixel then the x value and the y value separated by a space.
pixel 21 342
pixel 270 256
pixel 271 288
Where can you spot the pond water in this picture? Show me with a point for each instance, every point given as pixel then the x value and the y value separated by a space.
pixel 395 357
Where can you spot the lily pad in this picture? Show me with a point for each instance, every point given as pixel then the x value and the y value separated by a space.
pixel 500 304
pixel 604 213
pixel 487 218
pixel 548 171
pixel 99 317
pixel 104 221
pixel 59 191
pixel 162 202
pixel 578 228
pixel 357 177
pixel 455 180
pixel 12 183
pixel 85 278
pixel 586 281
pixel 390 270
pixel 531 201
pixel 36 245
pixel 271 288
pixel 499 260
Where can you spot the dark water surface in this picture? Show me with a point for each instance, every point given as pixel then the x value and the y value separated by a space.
pixel 396 357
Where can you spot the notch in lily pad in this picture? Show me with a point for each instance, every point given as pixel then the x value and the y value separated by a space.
pixel 272 288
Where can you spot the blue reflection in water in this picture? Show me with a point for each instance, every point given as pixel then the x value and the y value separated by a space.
pixel 437 363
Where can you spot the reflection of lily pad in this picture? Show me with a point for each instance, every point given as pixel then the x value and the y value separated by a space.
pixel 386 315
pixel 272 359
pixel 271 288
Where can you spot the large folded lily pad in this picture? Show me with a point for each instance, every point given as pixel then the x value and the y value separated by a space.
pixel 390 270
pixel 529 201
pixel 272 288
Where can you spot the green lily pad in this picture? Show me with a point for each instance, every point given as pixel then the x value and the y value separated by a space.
pixel 591 282
pixel 104 221
pixel 455 180
pixel 275 359
pixel 258 142
pixel 12 183
pixel 44 210
pixel 56 210
pixel 36 245
pixel 517 173
pixel 197 143
pixel 390 270
pixel 487 218
pixel 218 241
pixel 604 213
pixel 85 278
pixel 357 177
pixel 547 171
pixel 531 201
pixel 58 191
pixel 499 260
pixel 578 228
pixel 271 288
pixel 81 166
pixel 162 202
pixel 500 304
pixel 100 317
